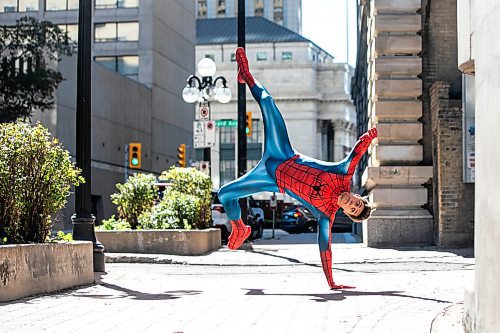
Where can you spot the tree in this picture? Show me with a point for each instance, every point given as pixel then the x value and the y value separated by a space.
pixel 28 54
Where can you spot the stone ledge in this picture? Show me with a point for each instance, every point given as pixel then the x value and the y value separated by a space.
pixel 176 242
pixel 31 269
pixel 395 175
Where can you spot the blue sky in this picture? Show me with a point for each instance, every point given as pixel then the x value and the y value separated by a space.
pixel 325 23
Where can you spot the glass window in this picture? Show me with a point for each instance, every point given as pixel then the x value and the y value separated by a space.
pixel 127 65
pixel 53 5
pixel 261 56
pixel 221 8
pixel 259 7
pixel 233 56
pixel 106 4
pixel 127 3
pixel 202 8
pixel 251 164
pixel 8 6
pixel 105 32
pixel 286 56
pixel 28 5
pixel 227 171
pixel 128 32
pixel 227 134
pixel 71 30
pixel 103 4
pixel 256 132
pixel 108 62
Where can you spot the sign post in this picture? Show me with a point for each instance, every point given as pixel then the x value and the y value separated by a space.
pixel 273 204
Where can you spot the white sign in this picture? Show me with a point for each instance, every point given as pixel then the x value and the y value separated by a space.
pixel 203 112
pixel 205 167
pixel 273 202
pixel 199 134
pixel 210 133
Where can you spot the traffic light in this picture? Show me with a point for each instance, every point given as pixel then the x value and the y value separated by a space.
pixel 181 155
pixel 249 124
pixel 134 155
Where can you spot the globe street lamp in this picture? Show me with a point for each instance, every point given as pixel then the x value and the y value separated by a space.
pixel 205 89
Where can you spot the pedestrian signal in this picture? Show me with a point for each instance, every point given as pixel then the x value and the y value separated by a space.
pixel 181 155
pixel 134 155
pixel 249 124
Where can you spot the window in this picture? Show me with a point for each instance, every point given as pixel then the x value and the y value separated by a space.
pixel 233 56
pixel 202 8
pixel 106 4
pixel 53 5
pixel 221 8
pixel 261 56
pixel 116 32
pixel 227 171
pixel 259 7
pixel 13 6
pixel 286 56
pixel 227 134
pixel 125 65
pixel 278 11
pixel 251 164
pixel 256 132
pixel 71 30
pixel 210 56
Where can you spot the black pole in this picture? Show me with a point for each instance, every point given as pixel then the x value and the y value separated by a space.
pixel 242 134
pixel 83 220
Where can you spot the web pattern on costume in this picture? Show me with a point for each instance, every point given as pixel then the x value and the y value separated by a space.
pixel 318 187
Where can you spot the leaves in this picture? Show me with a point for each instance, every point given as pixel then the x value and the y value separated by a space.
pixel 36 175
pixel 29 53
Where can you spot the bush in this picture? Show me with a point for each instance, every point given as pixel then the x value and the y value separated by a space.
pixel 135 197
pixel 189 196
pixel 113 224
pixel 36 174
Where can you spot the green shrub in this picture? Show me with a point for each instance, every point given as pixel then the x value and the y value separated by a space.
pixel 189 196
pixel 135 197
pixel 36 175
pixel 61 237
pixel 113 224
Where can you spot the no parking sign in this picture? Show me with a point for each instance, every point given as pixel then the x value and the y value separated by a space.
pixel 204 112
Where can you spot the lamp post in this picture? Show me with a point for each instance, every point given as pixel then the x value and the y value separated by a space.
pixel 205 89
pixel 83 220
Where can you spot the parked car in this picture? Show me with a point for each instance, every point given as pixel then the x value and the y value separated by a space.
pixel 255 219
pixel 342 223
pixel 298 219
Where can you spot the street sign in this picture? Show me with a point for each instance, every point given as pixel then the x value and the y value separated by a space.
pixel 198 134
pixel 226 123
pixel 205 167
pixel 273 203
pixel 210 133
pixel 203 112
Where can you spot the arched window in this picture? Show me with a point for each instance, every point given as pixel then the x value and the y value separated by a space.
pixel 278 11
pixel 202 8
pixel 259 7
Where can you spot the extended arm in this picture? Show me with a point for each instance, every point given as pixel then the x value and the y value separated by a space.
pixel 359 149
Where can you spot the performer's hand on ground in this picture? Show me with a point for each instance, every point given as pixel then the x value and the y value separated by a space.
pixel 238 235
pixel 244 75
pixel 341 286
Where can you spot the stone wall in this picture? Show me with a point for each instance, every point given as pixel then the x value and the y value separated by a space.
pixel 454 214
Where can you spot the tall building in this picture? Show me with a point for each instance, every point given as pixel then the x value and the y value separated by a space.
pixel 287 13
pixel 142 51
pixel 310 89
pixel 408 85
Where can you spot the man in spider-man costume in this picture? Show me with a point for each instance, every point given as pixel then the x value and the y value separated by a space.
pixel 322 187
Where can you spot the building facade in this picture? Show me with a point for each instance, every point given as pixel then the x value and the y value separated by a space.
pixel 478 55
pixel 287 13
pixel 407 84
pixel 137 79
pixel 310 89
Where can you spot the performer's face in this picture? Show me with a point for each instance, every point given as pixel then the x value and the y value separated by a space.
pixel 351 203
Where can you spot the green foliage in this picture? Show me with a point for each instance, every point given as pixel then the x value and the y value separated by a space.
pixel 175 211
pixel 134 197
pixel 29 53
pixel 36 174
pixel 113 224
pixel 61 237
pixel 189 195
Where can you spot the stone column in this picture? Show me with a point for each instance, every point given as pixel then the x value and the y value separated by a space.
pixel 394 179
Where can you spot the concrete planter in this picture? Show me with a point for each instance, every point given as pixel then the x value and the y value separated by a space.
pixel 176 242
pixel 30 269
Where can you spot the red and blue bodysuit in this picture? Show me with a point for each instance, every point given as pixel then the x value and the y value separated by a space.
pixel 316 184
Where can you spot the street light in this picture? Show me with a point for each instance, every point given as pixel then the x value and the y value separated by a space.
pixel 206 89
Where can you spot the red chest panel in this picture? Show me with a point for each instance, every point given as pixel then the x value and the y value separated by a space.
pixel 318 187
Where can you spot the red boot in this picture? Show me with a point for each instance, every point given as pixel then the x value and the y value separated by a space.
pixel 244 75
pixel 238 235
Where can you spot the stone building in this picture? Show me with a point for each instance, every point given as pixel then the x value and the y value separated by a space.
pixel 136 96
pixel 287 13
pixel 478 59
pixel 407 84
pixel 311 90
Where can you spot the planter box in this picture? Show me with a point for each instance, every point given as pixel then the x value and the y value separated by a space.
pixel 30 269
pixel 176 242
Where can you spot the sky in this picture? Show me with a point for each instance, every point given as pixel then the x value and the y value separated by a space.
pixel 325 23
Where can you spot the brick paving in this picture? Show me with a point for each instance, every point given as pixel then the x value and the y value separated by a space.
pixel 276 287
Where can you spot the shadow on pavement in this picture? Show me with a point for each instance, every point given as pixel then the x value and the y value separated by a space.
pixel 340 295
pixel 137 295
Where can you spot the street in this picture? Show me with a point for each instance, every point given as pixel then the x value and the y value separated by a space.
pixel 277 287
